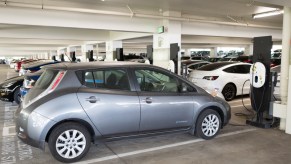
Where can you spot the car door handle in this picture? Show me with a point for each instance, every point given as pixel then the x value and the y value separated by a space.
pixel 148 100
pixel 92 99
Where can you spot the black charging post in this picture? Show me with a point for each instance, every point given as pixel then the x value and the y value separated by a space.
pixel 261 97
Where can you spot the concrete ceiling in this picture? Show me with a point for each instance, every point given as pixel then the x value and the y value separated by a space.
pixel 16 38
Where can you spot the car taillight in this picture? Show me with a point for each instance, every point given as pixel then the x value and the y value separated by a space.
pixel 57 81
pixel 247 61
pixel 210 77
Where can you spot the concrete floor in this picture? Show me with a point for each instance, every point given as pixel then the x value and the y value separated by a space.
pixel 235 144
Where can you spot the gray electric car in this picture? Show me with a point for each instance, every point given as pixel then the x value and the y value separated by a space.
pixel 74 104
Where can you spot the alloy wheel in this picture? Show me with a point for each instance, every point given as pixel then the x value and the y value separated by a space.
pixel 70 144
pixel 210 125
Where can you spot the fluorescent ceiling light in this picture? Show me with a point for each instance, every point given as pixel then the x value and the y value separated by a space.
pixel 267 14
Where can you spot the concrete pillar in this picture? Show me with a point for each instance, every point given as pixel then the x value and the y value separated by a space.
pixel 213 52
pixel 285 63
pixel 111 49
pixel 85 49
pixel 161 42
pixel 187 52
pixel 249 49
pixel 68 53
pixel 53 53
pixel 59 52
pixel 95 51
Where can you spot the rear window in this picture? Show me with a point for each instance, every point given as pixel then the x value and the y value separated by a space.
pixel 46 79
pixel 214 66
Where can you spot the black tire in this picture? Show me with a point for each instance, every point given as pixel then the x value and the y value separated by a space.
pixel 17 96
pixel 229 92
pixel 211 129
pixel 69 144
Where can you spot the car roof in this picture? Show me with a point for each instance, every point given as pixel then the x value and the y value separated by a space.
pixel 93 65
pixel 221 65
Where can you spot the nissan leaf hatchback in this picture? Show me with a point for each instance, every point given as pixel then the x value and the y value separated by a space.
pixel 74 104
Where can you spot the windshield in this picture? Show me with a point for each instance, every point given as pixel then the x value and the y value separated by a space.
pixel 214 66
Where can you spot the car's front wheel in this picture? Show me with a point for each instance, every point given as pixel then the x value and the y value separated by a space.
pixel 208 124
pixel 17 96
pixel 69 142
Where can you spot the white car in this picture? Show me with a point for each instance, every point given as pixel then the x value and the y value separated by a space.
pixel 225 79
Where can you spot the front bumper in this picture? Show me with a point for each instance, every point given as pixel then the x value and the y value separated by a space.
pixel 6 94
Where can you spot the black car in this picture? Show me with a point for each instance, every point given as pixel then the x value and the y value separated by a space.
pixel 10 89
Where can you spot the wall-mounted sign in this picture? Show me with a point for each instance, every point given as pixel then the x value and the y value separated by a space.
pixel 161 29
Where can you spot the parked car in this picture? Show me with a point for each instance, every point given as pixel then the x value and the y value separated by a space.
pixel 35 66
pixel 275 62
pixel 185 57
pixel 225 59
pixel 29 81
pixel 213 59
pixel 225 78
pixel 9 89
pixel 112 99
pixel 194 64
pixel 244 58
pixel 13 63
pixel 19 64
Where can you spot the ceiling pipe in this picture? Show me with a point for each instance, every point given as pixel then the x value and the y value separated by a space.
pixel 140 15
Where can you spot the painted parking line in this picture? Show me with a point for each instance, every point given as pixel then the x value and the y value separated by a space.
pixel 159 148
pixel 7 131
pixel 235 101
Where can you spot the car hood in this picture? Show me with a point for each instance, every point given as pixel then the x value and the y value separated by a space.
pixel 13 79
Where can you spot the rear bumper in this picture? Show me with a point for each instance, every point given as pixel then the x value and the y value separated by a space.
pixel 23 136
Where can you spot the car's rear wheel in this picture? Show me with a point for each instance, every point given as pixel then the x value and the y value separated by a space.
pixel 69 142
pixel 208 124
pixel 17 96
pixel 229 92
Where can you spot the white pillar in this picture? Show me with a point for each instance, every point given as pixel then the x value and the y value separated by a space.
pixel 111 49
pixel 97 51
pixel 249 49
pixel 213 52
pixel 53 53
pixel 285 63
pixel 161 42
pixel 187 52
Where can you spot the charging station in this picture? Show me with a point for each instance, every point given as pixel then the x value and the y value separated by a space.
pixel 260 79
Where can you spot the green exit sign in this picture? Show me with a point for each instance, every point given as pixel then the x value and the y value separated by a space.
pixel 161 29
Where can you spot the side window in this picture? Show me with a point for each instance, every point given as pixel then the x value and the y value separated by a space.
pixel 154 81
pixel 243 69
pixel 230 69
pixel 184 88
pixel 195 66
pixel 89 80
pixel 108 79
